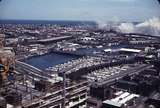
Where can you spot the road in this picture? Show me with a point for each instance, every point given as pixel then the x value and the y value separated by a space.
pixel 31 71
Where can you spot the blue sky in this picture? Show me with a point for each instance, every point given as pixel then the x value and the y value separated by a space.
pixel 102 10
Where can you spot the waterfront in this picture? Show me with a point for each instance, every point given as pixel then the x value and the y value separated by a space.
pixel 51 59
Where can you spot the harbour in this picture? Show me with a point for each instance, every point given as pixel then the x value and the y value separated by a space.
pixel 50 59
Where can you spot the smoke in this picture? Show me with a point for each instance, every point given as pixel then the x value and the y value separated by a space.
pixel 151 26
pixel 102 24
pixel 126 27
pixel 108 25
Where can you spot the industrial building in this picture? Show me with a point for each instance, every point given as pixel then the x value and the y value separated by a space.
pixel 122 100
pixel 25 93
pixel 75 96
pixel 24 86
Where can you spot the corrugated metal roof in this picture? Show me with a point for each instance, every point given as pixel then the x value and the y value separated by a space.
pixel 109 102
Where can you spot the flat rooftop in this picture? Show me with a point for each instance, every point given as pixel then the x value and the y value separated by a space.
pixel 54 39
pixel 121 99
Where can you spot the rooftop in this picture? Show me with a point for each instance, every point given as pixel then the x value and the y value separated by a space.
pixel 121 99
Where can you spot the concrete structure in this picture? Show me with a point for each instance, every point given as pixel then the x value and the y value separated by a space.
pixel 54 39
pixel 121 101
pixel 76 96
pixel 31 88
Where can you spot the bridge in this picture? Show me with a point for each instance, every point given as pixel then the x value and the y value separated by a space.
pixel 142 35
pixel 54 39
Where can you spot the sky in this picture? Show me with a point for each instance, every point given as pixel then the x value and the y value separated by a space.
pixel 88 10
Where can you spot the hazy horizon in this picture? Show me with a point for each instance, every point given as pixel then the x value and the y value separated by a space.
pixel 79 10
